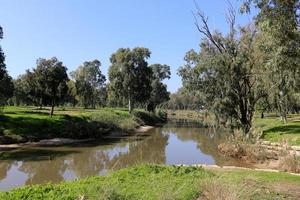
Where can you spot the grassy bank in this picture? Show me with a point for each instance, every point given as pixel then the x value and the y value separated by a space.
pixel 168 182
pixel 22 124
pixel 275 130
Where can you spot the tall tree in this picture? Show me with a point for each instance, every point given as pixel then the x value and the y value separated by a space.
pixel 51 75
pixel 130 76
pixel 225 72
pixel 159 93
pixel 72 93
pixel 6 84
pixel 89 81
pixel 279 43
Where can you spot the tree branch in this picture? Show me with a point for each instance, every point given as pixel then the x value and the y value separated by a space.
pixel 203 28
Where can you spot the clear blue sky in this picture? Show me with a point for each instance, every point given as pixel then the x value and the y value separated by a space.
pixel 80 30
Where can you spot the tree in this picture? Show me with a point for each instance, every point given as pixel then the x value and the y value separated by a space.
pixel 89 81
pixel 159 93
pixel 6 84
pixel 185 99
pixel 51 76
pixel 225 72
pixel 21 92
pixel 130 76
pixel 72 93
pixel 279 43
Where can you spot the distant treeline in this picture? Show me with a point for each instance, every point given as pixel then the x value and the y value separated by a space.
pixel 132 82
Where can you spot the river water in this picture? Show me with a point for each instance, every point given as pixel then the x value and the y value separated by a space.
pixel 178 142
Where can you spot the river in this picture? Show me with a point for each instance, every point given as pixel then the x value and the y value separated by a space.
pixel 177 142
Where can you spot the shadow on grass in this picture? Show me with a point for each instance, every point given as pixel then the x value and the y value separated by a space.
pixel 27 128
pixel 33 154
pixel 285 129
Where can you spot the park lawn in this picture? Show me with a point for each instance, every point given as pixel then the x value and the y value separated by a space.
pixel 275 130
pixel 23 124
pixel 166 182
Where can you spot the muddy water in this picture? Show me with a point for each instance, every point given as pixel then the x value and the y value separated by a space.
pixel 175 143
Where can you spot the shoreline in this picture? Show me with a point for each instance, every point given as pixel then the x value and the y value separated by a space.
pixel 53 142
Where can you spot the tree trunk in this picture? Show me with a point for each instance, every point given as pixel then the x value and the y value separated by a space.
pixel 283 111
pixel 130 105
pixel 262 115
pixel 52 108
pixel 93 103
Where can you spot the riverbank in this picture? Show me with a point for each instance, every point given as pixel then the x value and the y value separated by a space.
pixel 169 182
pixel 274 146
pixel 31 125
pixel 69 141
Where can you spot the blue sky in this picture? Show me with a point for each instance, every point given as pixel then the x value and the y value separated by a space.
pixel 80 30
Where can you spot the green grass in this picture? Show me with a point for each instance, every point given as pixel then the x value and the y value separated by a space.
pixel 157 182
pixel 275 130
pixel 22 124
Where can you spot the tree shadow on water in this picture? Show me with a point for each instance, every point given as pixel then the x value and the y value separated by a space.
pixel 33 154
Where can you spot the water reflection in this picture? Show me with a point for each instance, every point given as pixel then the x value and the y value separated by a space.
pixel 178 142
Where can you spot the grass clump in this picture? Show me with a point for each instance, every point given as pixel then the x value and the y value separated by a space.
pixel 152 182
pixel 140 182
pixel 290 163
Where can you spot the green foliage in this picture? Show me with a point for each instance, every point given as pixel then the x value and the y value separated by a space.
pixel 185 99
pixel 278 44
pixel 130 75
pixel 51 79
pixel 159 93
pixel 225 73
pixel 6 85
pixel 26 90
pixel 89 83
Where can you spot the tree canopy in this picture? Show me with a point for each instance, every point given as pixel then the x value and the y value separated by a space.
pixel 89 82
pixel 130 76
pixel 6 84
pixel 51 80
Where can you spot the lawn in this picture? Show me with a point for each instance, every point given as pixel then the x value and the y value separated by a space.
pixel 22 124
pixel 275 130
pixel 167 182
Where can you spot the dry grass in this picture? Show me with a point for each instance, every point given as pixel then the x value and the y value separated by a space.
pixel 220 189
pixel 289 163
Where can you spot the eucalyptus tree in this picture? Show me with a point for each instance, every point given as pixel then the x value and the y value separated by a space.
pixel 279 44
pixel 72 96
pixel 130 76
pixel 159 93
pixel 51 77
pixel 225 72
pixel 6 84
pixel 22 92
pixel 185 99
pixel 89 81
